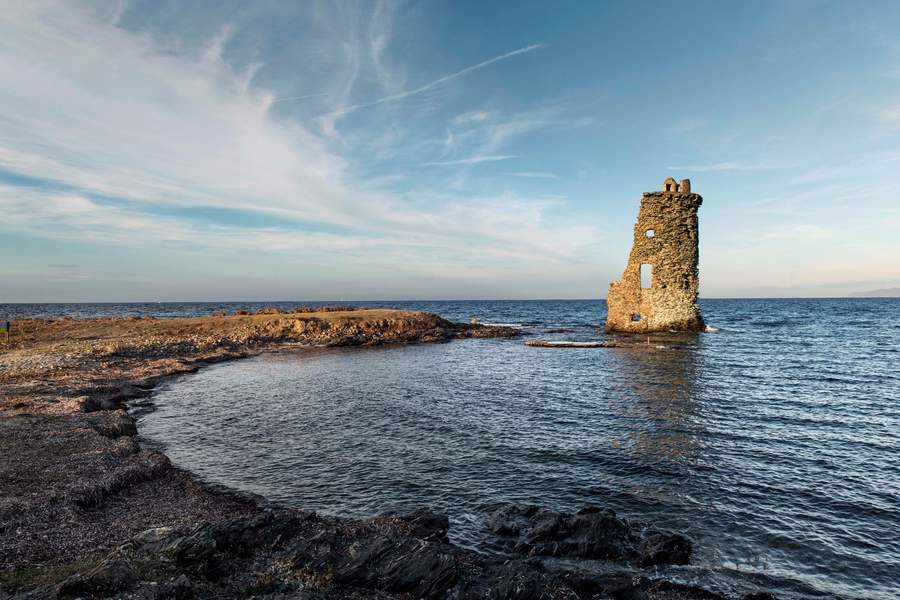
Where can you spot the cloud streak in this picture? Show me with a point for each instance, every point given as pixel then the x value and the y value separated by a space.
pixel 118 151
pixel 724 167
pixel 441 80
pixel 472 160
pixel 534 175
pixel 164 132
pixel 304 97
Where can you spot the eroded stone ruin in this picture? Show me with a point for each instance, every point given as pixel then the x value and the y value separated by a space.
pixel 658 290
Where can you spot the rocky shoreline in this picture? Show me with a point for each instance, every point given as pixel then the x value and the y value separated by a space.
pixel 86 512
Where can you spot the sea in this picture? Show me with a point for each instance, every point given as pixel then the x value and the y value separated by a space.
pixel 772 440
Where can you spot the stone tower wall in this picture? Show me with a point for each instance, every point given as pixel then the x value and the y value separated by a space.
pixel 670 303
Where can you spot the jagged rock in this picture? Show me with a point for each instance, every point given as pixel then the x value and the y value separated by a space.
pixel 113 424
pixel 292 554
pixel 108 578
pixel 592 532
pixel 428 525
pixel 669 590
pixel 180 588
pixel 155 538
pixel 664 548
pixel 197 548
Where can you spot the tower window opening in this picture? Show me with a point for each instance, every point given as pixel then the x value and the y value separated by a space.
pixel 646 276
pixel 650 233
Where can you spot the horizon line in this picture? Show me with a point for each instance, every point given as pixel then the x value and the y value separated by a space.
pixel 848 297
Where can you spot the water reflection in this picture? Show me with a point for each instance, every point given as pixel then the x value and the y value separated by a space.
pixel 660 403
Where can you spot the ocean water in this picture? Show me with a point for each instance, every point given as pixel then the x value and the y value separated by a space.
pixel 773 442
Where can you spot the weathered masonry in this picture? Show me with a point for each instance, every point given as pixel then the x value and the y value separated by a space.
pixel 658 291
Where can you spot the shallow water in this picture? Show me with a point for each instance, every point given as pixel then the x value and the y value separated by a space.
pixel 773 443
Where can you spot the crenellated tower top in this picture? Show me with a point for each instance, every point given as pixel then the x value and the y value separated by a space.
pixel 670 185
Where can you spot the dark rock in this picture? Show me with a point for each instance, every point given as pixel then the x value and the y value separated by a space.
pixel 399 566
pixel 664 548
pixel 521 580
pixel 180 588
pixel 241 536
pixel 110 577
pixel 592 532
pixel 669 590
pixel 291 554
pixel 158 540
pixel 427 525
pixel 509 520
pixel 196 547
pixel 113 424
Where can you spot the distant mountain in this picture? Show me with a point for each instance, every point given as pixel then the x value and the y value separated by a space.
pixel 885 293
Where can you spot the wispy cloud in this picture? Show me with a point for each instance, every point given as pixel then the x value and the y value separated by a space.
pixel 216 46
pixel 891 116
pixel 724 166
pixel 867 165
pixel 686 125
pixel 168 131
pixel 506 226
pixel 305 97
pixel 489 133
pixel 805 232
pixel 472 160
pixel 437 82
pixel 471 117
pixel 534 175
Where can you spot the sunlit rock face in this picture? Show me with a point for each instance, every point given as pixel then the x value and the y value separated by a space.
pixel 658 290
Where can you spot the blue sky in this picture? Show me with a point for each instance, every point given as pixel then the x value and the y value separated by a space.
pixel 377 150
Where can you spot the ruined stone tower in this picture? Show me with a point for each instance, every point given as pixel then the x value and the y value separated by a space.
pixel 658 291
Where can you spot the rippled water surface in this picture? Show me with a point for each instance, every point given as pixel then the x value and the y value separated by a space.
pixel 774 442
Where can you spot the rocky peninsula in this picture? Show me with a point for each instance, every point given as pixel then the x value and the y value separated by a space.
pixel 87 512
